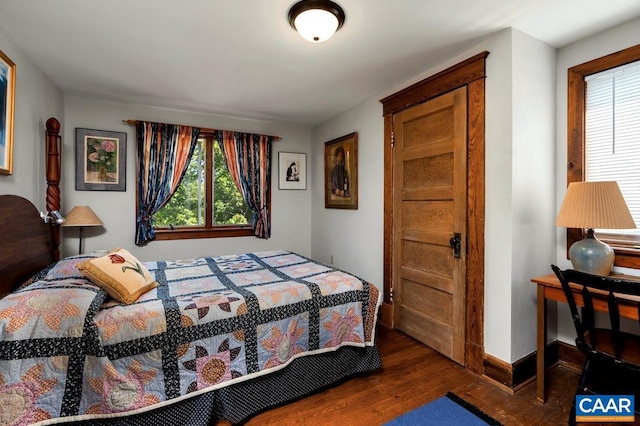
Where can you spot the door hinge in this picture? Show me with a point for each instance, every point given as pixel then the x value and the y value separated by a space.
pixel 393 139
pixel 391 294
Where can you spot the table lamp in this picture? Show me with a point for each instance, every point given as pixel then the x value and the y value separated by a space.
pixel 593 205
pixel 81 217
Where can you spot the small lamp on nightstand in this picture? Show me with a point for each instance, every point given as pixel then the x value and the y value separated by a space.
pixel 81 217
pixel 593 205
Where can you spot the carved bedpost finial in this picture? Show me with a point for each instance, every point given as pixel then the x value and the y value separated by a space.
pixel 53 126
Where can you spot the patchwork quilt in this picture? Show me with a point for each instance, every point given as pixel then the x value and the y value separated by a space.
pixel 67 349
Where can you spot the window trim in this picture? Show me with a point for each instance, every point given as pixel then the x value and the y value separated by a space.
pixel 220 231
pixel 209 230
pixel 625 256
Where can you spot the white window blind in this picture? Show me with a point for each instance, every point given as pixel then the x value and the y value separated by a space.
pixel 612 139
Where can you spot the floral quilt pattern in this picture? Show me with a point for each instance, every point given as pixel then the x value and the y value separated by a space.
pixel 67 349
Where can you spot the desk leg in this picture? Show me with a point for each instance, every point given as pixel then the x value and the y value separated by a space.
pixel 541 343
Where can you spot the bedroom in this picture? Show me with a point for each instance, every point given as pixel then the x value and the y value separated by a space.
pixel 529 142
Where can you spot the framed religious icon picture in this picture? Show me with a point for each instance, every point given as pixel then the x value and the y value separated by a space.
pixel 341 172
pixel 101 158
pixel 292 170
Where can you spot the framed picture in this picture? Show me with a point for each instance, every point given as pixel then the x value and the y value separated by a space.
pixel 292 170
pixel 341 173
pixel 101 158
pixel 7 96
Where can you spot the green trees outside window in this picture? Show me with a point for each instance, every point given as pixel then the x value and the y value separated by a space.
pixel 188 206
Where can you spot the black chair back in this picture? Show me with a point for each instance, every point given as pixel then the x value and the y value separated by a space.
pixel 607 344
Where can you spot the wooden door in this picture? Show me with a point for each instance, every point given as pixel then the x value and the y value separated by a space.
pixel 429 210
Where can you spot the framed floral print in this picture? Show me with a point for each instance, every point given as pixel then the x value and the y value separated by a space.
pixel 341 172
pixel 101 158
pixel 7 96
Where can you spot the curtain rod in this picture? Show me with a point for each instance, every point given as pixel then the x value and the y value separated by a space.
pixel 135 123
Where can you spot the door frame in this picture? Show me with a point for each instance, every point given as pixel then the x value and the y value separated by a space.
pixel 471 73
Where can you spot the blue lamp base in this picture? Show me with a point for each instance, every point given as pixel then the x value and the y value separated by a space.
pixel 591 255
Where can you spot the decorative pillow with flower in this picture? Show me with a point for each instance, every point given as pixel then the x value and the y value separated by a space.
pixel 120 274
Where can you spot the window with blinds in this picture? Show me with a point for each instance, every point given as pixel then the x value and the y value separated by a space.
pixel 612 137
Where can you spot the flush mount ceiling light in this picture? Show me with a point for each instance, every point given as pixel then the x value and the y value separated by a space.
pixel 316 20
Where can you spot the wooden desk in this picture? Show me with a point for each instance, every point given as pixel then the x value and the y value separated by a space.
pixel 549 288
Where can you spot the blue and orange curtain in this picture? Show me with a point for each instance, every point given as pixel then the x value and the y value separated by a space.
pixel 164 152
pixel 248 159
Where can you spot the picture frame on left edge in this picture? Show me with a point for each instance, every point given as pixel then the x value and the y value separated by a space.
pixel 7 102
pixel 101 159
pixel 292 170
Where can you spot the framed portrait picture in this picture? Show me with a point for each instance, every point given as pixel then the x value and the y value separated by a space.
pixel 341 173
pixel 101 158
pixel 7 96
pixel 292 170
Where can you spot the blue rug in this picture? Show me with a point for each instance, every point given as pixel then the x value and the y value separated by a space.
pixel 446 410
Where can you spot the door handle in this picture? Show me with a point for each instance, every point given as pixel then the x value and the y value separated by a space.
pixel 455 243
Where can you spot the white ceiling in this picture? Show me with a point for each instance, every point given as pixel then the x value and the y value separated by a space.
pixel 241 57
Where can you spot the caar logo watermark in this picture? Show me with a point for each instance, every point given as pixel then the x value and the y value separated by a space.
pixel 604 408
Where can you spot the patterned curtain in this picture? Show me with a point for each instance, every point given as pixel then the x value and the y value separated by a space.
pixel 164 152
pixel 248 159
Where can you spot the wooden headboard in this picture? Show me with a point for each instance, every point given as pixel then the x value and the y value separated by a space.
pixel 25 240
pixel 27 244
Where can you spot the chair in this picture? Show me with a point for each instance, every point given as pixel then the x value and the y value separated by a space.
pixel 612 363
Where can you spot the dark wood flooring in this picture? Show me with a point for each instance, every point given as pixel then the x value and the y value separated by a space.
pixel 413 375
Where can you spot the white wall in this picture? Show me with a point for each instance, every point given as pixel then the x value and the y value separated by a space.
pixel 519 139
pixel 604 43
pixel 353 237
pixel 533 182
pixel 36 100
pixel 291 211
pixel 498 196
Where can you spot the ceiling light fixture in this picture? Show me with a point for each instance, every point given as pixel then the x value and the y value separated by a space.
pixel 316 20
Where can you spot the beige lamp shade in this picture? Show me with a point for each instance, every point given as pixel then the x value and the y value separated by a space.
pixel 82 216
pixel 594 205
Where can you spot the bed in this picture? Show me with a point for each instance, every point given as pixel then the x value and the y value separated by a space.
pixel 221 337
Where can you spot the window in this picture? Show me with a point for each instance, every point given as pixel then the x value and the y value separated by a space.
pixel 207 203
pixel 604 138
pixel 612 136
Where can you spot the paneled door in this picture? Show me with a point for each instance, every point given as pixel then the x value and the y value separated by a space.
pixel 429 222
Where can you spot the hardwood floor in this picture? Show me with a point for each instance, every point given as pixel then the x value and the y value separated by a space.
pixel 413 375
